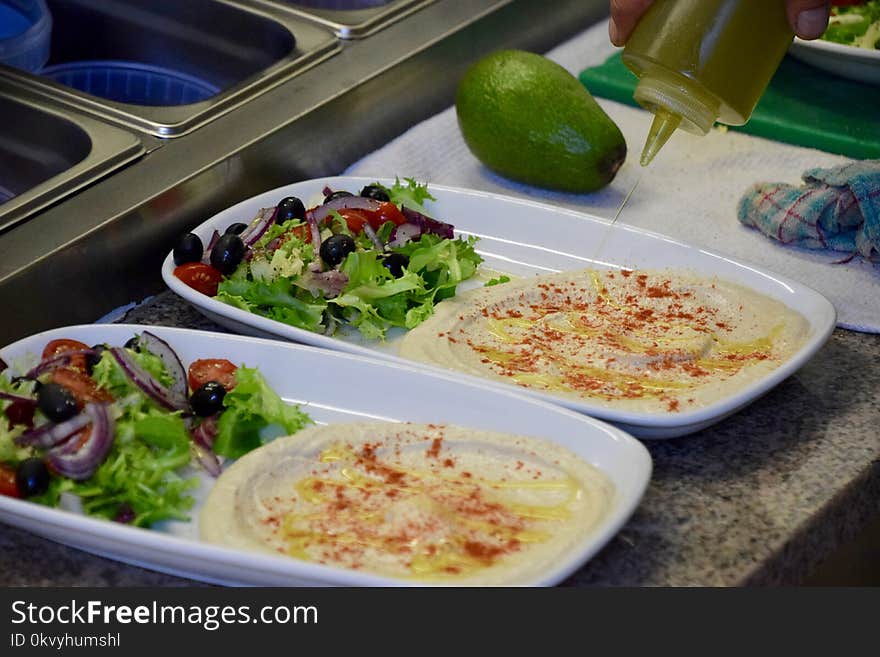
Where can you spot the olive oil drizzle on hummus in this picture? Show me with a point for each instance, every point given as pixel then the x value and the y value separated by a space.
pixel 617 336
pixel 455 523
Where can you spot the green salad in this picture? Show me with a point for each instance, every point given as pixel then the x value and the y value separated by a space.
pixel 121 428
pixel 370 260
pixel 855 25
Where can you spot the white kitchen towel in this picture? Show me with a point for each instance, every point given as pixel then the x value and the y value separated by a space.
pixel 690 191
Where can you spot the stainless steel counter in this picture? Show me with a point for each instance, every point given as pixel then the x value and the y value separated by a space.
pixel 101 247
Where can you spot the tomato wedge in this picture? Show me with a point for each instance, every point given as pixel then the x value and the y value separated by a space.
pixel 200 277
pixel 58 347
pixel 8 487
pixel 211 369
pixel 356 218
pixel 81 386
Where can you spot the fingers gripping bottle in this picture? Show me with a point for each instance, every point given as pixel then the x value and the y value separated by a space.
pixel 702 61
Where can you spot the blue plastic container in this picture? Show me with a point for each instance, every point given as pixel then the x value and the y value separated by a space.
pixel 25 34
pixel 131 82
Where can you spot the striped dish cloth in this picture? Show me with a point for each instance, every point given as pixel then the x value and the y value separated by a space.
pixel 836 208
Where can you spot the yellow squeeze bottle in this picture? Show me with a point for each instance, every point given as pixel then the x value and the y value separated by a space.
pixel 702 61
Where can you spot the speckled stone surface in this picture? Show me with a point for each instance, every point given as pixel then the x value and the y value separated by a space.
pixel 759 499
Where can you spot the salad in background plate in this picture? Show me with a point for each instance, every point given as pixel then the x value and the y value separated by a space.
pixel 850 46
pixel 370 261
pixel 855 23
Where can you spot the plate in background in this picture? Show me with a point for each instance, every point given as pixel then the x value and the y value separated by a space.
pixel 526 238
pixel 860 64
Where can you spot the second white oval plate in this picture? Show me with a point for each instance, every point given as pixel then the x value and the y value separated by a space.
pixel 526 238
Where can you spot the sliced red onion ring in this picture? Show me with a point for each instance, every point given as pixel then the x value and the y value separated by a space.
pixel 206 433
pixel 51 433
pixel 54 362
pixel 79 462
pixel 8 396
pixel 404 233
pixel 258 226
pixel 428 224
pixel 161 349
pixel 329 283
pixel 345 202
pixel 206 256
pixel 207 459
pixel 145 381
pixel 369 232
pixel 316 235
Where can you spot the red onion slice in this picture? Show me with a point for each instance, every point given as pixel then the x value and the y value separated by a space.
pixel 206 433
pixel 206 256
pixel 404 233
pixel 145 381
pixel 315 231
pixel 258 226
pixel 369 232
pixel 51 433
pixel 207 459
pixel 428 224
pixel 345 202
pixel 8 396
pixel 80 462
pixel 161 349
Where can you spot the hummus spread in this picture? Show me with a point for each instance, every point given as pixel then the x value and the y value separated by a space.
pixel 654 341
pixel 424 502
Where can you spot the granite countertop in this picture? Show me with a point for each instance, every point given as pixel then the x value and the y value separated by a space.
pixel 758 499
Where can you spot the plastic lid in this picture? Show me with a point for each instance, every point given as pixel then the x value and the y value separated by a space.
pixel 25 34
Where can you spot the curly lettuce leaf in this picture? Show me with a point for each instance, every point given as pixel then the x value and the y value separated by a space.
pixel 250 409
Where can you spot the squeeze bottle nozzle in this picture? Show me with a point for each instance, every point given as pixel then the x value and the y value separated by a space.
pixel 665 123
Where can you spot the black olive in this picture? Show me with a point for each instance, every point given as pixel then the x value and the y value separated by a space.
pixel 94 359
pixel 56 402
pixel 133 344
pixel 375 192
pixel 32 477
pixel 228 251
pixel 235 229
pixel 290 207
pixel 208 399
pixel 395 263
pixel 339 194
pixel 335 248
pixel 189 248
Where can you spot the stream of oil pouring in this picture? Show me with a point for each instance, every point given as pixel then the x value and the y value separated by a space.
pixel 610 227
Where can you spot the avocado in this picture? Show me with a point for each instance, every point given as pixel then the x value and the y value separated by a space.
pixel 528 119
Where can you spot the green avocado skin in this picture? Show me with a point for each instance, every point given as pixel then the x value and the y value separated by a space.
pixel 528 119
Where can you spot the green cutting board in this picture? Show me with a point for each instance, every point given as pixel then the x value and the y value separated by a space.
pixel 802 106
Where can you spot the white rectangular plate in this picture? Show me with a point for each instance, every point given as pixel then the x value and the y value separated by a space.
pixel 331 387
pixel 526 238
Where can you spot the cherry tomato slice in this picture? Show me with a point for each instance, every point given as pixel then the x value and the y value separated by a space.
pixel 200 277
pixel 355 218
pixel 57 347
pixel 387 212
pixel 8 487
pixel 211 369
pixel 81 386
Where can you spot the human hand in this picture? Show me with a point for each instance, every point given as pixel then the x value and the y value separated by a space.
pixel 808 18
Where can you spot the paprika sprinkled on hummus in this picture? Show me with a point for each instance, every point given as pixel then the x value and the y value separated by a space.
pixel 426 502
pixel 641 340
